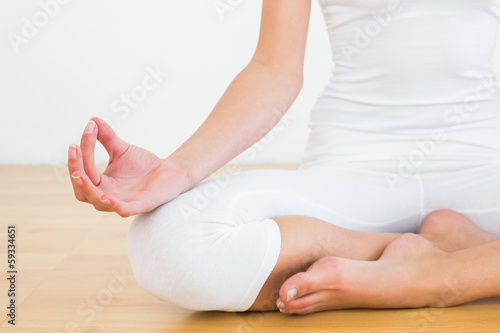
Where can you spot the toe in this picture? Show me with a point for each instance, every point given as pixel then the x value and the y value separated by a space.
pixel 323 274
pixel 310 303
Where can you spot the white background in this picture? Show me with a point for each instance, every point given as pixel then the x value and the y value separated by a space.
pixel 91 52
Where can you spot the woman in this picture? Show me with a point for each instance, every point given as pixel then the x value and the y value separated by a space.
pixel 396 203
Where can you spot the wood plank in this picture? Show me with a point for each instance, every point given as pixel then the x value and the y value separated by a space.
pixel 70 255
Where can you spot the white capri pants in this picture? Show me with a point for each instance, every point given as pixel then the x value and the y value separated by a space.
pixel 213 247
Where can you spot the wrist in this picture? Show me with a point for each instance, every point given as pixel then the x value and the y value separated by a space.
pixel 184 172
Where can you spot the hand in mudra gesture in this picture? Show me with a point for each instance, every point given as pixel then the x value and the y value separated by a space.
pixel 135 180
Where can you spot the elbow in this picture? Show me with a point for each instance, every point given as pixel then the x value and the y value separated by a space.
pixel 292 81
pixel 293 84
pixel 291 77
pixel 299 82
pixel 294 76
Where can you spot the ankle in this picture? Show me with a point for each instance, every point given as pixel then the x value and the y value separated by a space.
pixel 445 288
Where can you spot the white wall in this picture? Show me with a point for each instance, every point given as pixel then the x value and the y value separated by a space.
pixel 91 52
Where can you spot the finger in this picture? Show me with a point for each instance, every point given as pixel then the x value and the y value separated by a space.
pixel 87 145
pixel 124 208
pixel 91 192
pixel 111 142
pixel 75 163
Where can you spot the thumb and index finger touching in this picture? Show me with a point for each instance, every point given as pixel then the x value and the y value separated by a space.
pixel 85 177
pixel 98 129
pixel 107 136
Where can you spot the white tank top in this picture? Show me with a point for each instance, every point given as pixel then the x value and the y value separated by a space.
pixel 405 69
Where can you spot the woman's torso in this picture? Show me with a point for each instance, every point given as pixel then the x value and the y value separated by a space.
pixel 409 75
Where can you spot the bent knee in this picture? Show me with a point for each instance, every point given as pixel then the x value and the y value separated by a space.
pixel 439 219
pixel 189 265
pixel 442 215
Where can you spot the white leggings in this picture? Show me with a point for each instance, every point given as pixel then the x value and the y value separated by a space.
pixel 213 248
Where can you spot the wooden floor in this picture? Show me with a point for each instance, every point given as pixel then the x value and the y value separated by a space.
pixel 74 276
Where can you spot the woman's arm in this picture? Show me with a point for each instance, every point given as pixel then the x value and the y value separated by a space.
pixel 258 97
pixel 137 181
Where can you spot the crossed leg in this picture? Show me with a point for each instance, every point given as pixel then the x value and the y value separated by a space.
pixel 361 269
pixel 305 240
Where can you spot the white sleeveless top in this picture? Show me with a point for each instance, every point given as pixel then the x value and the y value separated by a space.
pixel 404 72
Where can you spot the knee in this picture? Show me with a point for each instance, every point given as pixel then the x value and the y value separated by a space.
pixel 439 218
pixel 176 261
pixel 441 215
pixel 150 259
pixel 159 255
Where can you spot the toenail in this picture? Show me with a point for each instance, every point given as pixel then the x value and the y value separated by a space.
pixel 291 294
pixel 281 304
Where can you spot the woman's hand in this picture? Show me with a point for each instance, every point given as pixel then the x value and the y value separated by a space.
pixel 135 180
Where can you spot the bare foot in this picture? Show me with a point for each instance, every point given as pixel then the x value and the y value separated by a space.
pixel 451 231
pixel 403 277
